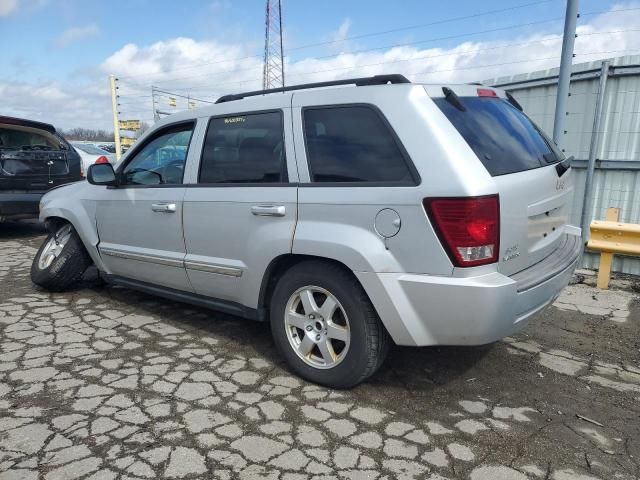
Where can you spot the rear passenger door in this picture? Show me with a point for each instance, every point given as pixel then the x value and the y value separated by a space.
pixel 241 212
pixel 357 182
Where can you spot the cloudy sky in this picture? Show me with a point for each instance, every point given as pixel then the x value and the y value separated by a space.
pixel 57 54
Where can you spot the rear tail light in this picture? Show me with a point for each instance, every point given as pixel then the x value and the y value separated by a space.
pixel 468 227
pixel 101 159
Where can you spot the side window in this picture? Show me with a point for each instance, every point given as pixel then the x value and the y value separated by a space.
pixel 160 161
pixel 352 144
pixel 244 149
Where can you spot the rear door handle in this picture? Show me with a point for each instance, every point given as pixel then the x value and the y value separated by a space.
pixel 268 210
pixel 163 207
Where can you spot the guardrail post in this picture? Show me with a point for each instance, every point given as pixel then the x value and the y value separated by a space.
pixel 606 258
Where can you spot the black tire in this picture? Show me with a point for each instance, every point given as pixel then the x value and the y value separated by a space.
pixel 66 269
pixel 369 340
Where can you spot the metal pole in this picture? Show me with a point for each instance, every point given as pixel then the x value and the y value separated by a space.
pixel 281 50
pixel 265 64
pixel 156 117
pixel 585 219
pixel 564 77
pixel 114 108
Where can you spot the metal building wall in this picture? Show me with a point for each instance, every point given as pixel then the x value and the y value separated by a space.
pixel 617 174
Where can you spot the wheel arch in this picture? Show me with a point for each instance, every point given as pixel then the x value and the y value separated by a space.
pixel 281 264
pixel 52 223
pixel 54 217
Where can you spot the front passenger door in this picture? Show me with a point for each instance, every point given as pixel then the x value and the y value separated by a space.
pixel 140 220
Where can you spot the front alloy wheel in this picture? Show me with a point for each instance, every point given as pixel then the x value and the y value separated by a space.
pixel 317 327
pixel 53 247
pixel 61 260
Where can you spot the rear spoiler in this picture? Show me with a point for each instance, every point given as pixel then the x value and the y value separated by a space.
pixel 28 123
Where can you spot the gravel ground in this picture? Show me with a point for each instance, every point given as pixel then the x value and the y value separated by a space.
pixel 106 383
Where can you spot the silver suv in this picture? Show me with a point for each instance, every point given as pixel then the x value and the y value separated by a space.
pixel 346 217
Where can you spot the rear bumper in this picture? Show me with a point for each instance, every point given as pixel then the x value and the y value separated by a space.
pixel 421 310
pixel 19 204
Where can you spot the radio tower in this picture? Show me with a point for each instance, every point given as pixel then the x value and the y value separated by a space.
pixel 273 66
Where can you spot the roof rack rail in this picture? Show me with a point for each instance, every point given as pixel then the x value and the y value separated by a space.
pixel 359 82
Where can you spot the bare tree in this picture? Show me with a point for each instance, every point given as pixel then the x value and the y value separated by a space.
pixel 88 134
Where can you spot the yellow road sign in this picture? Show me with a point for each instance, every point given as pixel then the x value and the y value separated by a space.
pixel 172 101
pixel 127 141
pixel 132 125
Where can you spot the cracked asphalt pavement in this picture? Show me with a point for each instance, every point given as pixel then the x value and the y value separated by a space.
pixel 105 383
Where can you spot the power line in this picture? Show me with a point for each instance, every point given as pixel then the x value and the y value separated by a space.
pixel 196 65
pixel 422 25
pixel 188 97
pixel 391 46
pixel 598 12
pixel 478 67
pixel 371 34
pixel 518 61
pixel 408 59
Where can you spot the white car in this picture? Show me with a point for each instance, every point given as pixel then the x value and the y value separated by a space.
pixel 90 153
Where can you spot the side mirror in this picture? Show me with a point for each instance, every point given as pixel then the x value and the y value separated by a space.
pixel 101 174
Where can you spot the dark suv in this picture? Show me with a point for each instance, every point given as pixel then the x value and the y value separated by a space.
pixel 33 159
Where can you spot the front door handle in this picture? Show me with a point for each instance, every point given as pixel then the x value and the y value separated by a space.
pixel 268 210
pixel 163 207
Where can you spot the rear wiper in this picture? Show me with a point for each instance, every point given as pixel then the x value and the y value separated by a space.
pixel 453 99
pixel 514 102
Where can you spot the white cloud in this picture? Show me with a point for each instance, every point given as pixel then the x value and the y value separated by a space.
pixel 7 7
pixel 75 34
pixel 56 103
pixel 339 36
pixel 209 69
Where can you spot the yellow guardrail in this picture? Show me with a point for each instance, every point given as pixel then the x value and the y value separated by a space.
pixel 610 237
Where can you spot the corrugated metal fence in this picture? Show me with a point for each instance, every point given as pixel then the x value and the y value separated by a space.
pixel 617 175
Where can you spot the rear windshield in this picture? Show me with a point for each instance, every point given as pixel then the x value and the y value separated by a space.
pixel 27 139
pixel 504 139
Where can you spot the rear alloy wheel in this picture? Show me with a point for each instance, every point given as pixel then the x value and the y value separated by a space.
pixel 61 260
pixel 317 327
pixel 325 326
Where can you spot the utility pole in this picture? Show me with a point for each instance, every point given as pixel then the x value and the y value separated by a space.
pixel 156 115
pixel 273 65
pixel 114 108
pixel 566 61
